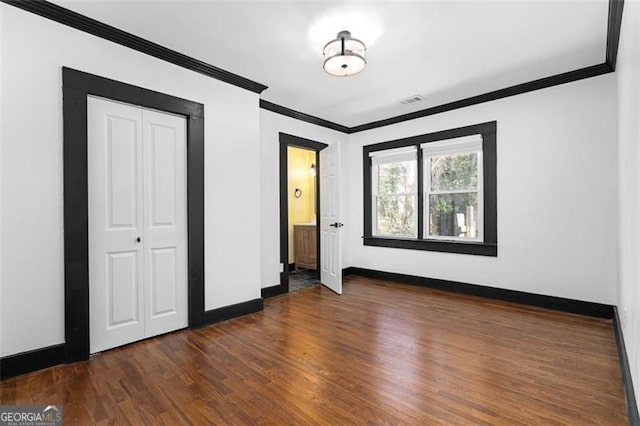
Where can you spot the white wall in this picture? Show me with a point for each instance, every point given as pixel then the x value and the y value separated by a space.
pixel 557 224
pixel 628 76
pixel 557 182
pixel 33 51
pixel 1 139
pixel 270 126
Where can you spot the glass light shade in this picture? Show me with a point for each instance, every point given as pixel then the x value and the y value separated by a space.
pixel 344 56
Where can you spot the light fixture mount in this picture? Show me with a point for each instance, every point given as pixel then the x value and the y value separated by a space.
pixel 344 55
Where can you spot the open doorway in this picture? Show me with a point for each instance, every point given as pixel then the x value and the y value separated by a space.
pixel 299 212
pixel 302 229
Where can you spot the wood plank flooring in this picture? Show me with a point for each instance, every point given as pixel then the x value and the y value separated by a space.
pixel 381 353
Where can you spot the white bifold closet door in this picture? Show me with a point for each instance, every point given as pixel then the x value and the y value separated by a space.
pixel 137 223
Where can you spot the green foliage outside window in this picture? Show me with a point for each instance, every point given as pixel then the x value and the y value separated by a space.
pixel 450 213
pixel 453 173
pixel 396 203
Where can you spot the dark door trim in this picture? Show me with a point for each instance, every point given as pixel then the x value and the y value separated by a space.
pixel 286 141
pixel 76 86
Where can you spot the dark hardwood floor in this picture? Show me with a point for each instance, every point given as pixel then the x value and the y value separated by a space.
pixel 380 353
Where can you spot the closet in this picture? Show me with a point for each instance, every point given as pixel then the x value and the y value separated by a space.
pixel 137 223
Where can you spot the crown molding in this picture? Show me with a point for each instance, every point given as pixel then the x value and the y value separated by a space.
pixel 91 26
pixel 107 32
pixel 279 109
pixel 614 24
pixel 530 86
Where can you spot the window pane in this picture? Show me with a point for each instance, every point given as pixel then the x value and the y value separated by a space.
pixel 396 215
pixel 454 215
pixel 452 172
pixel 397 178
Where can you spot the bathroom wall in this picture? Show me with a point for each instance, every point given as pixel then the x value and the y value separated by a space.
pixel 301 210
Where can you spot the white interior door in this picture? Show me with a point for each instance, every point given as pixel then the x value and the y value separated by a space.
pixel 330 244
pixel 165 237
pixel 137 223
pixel 116 259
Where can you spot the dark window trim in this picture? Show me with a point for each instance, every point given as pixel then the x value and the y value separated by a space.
pixel 287 140
pixel 76 86
pixel 489 161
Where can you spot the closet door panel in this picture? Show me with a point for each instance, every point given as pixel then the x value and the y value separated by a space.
pixel 165 222
pixel 116 258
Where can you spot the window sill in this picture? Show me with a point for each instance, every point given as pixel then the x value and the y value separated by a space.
pixel 460 247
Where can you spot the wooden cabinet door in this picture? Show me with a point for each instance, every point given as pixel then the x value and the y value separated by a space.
pixel 312 246
pixel 305 240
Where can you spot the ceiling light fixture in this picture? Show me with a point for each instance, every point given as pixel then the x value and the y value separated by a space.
pixel 344 56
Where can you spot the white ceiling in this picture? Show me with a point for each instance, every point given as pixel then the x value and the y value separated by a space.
pixel 444 51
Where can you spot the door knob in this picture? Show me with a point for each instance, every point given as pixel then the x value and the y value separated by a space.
pixel 337 225
pixel 138 240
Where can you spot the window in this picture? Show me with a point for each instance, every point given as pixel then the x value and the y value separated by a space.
pixel 453 189
pixel 433 192
pixel 395 192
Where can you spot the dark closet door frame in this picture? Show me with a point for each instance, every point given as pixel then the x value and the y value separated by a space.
pixel 287 140
pixel 76 86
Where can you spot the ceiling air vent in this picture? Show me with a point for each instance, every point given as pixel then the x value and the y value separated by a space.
pixel 412 99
